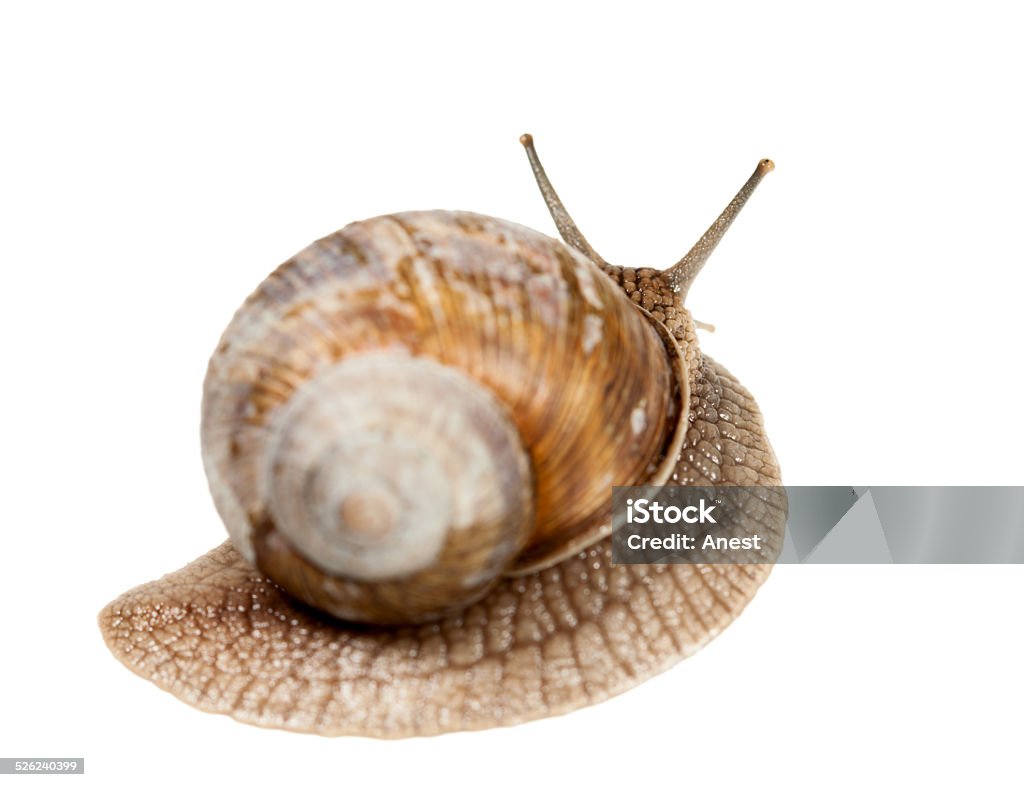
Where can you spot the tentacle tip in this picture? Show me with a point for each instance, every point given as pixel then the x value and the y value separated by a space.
pixel 766 165
pixel 526 140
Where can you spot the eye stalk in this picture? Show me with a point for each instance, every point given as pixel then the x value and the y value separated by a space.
pixel 563 221
pixel 685 271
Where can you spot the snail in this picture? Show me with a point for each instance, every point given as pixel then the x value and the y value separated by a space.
pixel 411 430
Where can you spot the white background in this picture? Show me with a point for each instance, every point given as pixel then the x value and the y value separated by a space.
pixel 158 164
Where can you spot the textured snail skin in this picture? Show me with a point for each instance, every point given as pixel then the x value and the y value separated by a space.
pixel 564 628
pixel 221 637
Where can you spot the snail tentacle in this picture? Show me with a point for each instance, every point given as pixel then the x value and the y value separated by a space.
pixel 563 221
pixel 682 274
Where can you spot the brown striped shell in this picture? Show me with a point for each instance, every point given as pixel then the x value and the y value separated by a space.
pixel 488 384
pixel 411 389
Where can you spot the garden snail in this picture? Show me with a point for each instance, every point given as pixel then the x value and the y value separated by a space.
pixel 413 426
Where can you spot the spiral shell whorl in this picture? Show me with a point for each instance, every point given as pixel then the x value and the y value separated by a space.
pixel 383 467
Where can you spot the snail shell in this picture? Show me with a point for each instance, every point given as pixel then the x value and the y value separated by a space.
pixel 392 420
pixel 415 423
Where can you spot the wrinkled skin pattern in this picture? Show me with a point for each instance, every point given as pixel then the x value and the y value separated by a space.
pixel 224 639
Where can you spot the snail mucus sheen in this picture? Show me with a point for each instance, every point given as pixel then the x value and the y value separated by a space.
pixel 410 430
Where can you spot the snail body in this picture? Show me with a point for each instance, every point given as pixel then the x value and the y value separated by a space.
pixel 415 424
